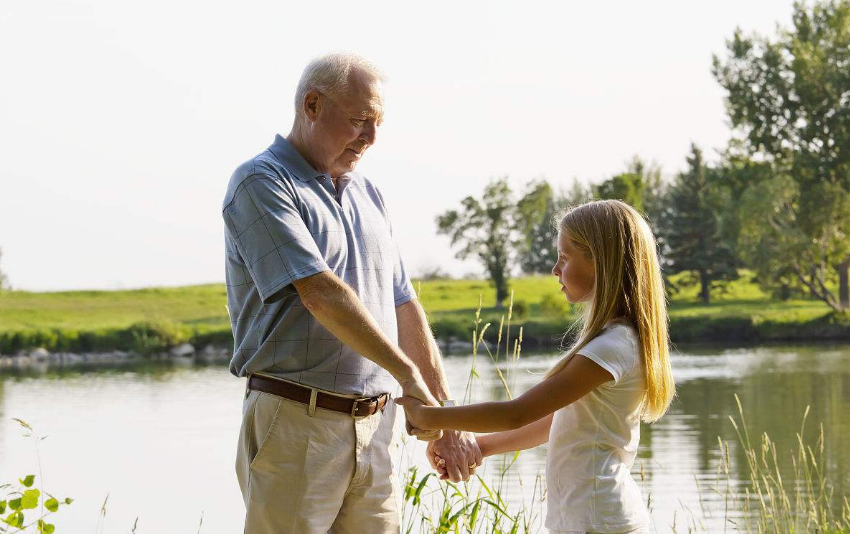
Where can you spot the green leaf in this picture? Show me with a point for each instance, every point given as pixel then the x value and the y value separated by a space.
pixel 15 504
pixel 68 500
pixel 2 507
pixel 51 504
pixel 417 494
pixel 45 528
pixel 498 508
pixel 30 499
pixel 15 519
pixel 28 481
pixel 473 516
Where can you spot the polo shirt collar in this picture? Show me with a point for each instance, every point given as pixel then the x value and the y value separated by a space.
pixel 292 159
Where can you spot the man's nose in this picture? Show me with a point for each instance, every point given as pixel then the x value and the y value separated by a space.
pixel 370 133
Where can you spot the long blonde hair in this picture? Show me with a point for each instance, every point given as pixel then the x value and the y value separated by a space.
pixel 629 285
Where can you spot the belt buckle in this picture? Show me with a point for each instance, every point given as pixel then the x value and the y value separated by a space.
pixel 358 401
pixel 386 397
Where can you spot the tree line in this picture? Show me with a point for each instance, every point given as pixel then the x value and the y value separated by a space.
pixel 4 282
pixel 777 202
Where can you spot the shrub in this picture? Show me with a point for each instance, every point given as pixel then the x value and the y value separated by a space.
pixel 449 327
pixel 150 338
pixel 520 309
pixel 555 306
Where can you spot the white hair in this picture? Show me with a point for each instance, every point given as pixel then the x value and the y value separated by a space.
pixel 329 75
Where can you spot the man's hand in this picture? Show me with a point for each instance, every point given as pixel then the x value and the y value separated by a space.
pixel 415 387
pixel 455 456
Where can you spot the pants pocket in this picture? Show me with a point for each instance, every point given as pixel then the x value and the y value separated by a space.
pixel 259 414
pixel 264 420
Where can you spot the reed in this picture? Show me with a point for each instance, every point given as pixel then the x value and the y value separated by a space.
pixel 770 499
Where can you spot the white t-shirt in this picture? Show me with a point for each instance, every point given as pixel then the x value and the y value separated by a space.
pixel 593 442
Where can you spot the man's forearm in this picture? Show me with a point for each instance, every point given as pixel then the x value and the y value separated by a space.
pixel 417 342
pixel 335 305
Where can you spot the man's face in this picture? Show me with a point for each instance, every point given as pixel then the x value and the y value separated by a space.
pixel 347 125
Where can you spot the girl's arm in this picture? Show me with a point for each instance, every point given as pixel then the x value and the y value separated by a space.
pixel 579 377
pixel 527 437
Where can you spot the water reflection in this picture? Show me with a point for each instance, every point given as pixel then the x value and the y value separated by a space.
pixel 161 439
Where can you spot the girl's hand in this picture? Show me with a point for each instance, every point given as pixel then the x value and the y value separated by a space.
pixel 412 410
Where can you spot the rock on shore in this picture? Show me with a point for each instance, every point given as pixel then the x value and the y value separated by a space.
pixel 41 359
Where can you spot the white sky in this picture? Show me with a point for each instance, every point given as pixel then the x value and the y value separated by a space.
pixel 121 122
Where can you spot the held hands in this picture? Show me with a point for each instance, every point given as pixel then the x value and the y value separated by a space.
pixel 455 456
pixel 415 392
pixel 412 410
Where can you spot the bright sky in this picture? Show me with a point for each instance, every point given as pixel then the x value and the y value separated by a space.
pixel 121 122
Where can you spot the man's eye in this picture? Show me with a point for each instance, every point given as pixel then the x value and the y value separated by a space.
pixel 358 122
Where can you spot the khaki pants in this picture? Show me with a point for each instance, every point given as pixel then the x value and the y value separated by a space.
pixel 325 473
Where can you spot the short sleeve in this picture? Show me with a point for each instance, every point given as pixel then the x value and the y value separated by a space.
pixel 402 287
pixel 264 222
pixel 613 350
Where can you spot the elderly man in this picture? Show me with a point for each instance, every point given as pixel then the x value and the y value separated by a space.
pixel 325 322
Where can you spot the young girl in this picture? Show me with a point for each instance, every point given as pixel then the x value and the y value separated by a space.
pixel 590 404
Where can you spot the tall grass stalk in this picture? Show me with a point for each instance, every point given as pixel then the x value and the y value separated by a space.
pixel 433 506
pixel 765 502
pixel 800 503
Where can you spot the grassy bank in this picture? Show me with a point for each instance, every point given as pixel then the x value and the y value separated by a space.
pixel 149 320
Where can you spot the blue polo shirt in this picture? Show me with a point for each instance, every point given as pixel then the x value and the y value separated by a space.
pixel 285 221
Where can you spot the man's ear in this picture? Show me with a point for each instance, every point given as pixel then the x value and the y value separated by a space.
pixel 312 105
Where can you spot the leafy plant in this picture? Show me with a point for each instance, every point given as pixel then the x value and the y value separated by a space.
pixel 25 508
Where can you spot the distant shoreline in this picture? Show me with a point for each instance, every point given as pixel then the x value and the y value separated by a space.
pixel 705 332
pixel 190 323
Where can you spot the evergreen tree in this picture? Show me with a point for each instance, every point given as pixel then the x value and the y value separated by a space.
pixel 689 225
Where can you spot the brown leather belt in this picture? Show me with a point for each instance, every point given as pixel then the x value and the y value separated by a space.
pixel 355 407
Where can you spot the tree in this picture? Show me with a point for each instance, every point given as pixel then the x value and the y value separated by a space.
pixel 767 243
pixel 627 187
pixel 789 101
pixel 484 229
pixel 653 197
pixel 430 272
pixel 536 247
pixel 654 188
pixel 3 280
pixel 689 225
pixel 537 223
pixel 575 195
pixel 641 186
pixel 752 192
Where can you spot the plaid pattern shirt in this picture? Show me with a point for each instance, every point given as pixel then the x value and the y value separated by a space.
pixel 285 221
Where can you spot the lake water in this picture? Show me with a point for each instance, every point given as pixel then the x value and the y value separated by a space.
pixel 160 439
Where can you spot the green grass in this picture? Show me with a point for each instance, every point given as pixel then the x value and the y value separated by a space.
pixel 86 320
pixel 193 305
pixel 738 313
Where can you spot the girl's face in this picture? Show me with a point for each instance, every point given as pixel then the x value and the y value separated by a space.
pixel 574 270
